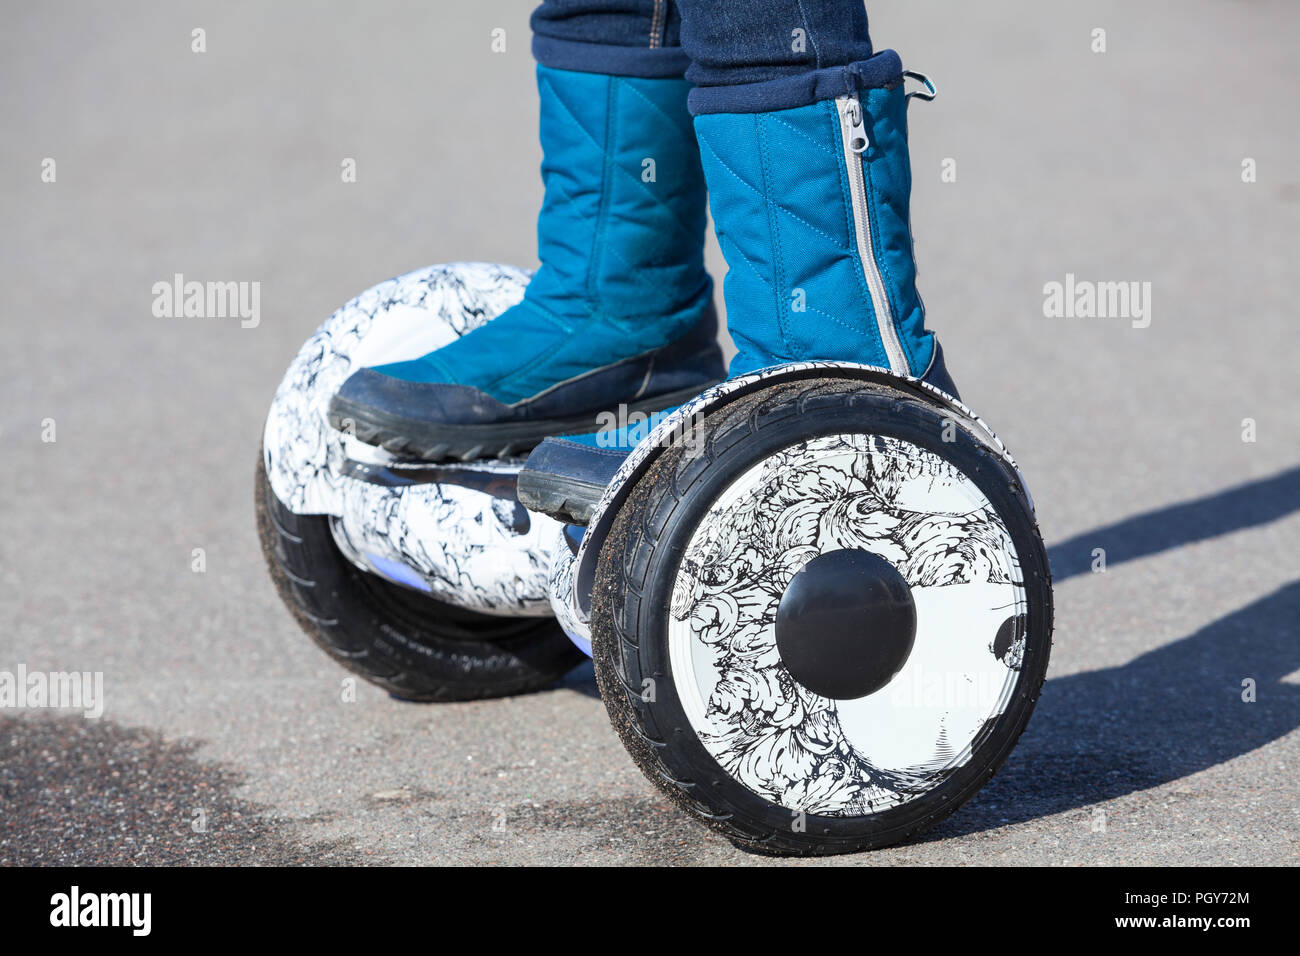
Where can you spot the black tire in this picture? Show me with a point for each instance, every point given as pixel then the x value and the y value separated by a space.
pixel 409 644
pixel 633 588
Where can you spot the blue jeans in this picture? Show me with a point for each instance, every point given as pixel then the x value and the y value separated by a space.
pixel 743 56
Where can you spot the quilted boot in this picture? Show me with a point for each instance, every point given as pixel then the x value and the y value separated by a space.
pixel 811 209
pixel 619 318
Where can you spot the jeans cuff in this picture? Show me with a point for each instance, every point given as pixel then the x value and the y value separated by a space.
pixel 789 92
pixel 665 62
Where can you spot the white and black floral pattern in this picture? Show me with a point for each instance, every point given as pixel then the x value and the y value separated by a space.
pixel 464 546
pixel 461 544
pixel 909 506
pixel 440 303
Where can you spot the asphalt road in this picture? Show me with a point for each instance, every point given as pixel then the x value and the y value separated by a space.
pixel 1125 165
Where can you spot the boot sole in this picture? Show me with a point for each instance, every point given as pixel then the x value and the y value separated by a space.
pixel 438 442
pixel 568 499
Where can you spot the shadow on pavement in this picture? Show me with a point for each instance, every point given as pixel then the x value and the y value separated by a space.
pixel 1175 710
pixel 1168 714
pixel 1245 506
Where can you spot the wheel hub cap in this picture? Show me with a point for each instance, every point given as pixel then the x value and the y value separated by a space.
pixel 846 624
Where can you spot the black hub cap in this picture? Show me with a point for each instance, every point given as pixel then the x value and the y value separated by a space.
pixel 846 624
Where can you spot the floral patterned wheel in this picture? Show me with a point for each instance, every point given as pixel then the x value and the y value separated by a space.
pixel 825 628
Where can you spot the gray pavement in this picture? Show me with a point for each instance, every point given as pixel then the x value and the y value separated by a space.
pixel 1117 166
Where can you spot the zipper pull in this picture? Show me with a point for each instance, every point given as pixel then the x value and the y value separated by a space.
pixel 925 95
pixel 858 140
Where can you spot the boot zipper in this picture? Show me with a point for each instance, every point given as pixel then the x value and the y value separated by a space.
pixel 853 129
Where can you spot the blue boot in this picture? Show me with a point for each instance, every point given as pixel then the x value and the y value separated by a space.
pixel 811 208
pixel 619 314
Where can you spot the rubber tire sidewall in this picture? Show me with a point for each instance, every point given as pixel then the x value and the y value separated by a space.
pixel 651 534
pixel 450 653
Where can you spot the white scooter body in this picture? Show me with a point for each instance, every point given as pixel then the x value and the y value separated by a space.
pixel 455 532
